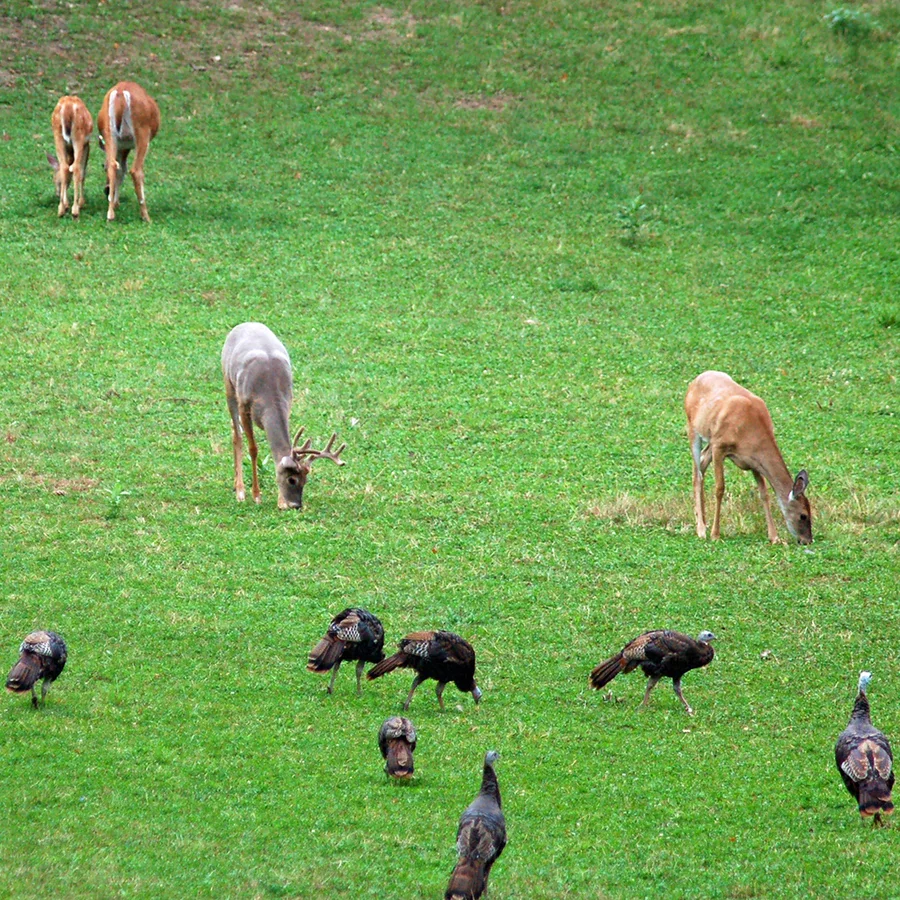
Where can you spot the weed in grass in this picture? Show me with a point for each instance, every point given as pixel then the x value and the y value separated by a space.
pixel 853 25
pixel 116 501
pixel 632 218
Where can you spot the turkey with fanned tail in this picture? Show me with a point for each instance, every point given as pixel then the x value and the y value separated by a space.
pixel 480 838
pixel 864 759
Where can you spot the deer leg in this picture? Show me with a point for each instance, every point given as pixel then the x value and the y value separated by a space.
pixel 699 470
pixel 112 179
pixel 237 445
pixel 62 174
pixel 142 143
pixel 718 461
pixel 359 670
pixel 416 682
pixel 440 693
pixel 764 496
pixel 334 672
pixel 79 164
pixel 676 685
pixel 247 423
pixel 654 679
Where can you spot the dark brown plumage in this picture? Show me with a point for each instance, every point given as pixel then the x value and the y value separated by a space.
pixel 660 654
pixel 864 759
pixel 397 740
pixel 480 838
pixel 353 634
pixel 441 655
pixel 43 655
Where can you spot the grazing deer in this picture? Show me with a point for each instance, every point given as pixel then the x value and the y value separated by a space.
pixel 72 126
pixel 259 390
pixel 128 120
pixel 736 425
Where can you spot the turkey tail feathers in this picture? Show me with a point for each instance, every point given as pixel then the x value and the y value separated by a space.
pixel 399 761
pixel 467 881
pixel 325 654
pixel 386 665
pixel 24 674
pixel 875 798
pixel 606 671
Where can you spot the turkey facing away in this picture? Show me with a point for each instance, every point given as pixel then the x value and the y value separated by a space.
pixel 480 838
pixel 42 655
pixel 352 634
pixel 397 740
pixel 441 655
pixel 661 654
pixel 863 757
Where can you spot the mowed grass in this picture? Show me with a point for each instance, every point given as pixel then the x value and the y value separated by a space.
pixel 498 240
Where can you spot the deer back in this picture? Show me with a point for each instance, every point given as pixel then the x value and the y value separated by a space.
pixel 258 366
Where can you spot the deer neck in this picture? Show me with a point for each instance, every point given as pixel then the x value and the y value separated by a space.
pixel 275 424
pixel 772 467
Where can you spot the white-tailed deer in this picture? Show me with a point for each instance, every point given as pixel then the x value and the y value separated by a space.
pixel 128 120
pixel 72 126
pixel 259 390
pixel 736 425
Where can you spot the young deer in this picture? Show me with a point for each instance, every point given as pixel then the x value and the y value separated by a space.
pixel 737 426
pixel 72 126
pixel 128 120
pixel 259 390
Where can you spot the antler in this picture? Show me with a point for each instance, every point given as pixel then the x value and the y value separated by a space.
pixel 327 453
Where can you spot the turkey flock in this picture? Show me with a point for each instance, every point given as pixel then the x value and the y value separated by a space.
pixel 720 413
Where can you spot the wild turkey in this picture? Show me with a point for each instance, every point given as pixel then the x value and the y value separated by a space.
pixel 397 740
pixel 441 655
pixel 661 654
pixel 863 757
pixel 352 634
pixel 480 838
pixel 43 655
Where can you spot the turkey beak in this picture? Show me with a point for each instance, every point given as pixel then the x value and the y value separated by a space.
pixel 476 693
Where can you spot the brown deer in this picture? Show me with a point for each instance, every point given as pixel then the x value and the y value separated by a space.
pixel 72 126
pixel 259 390
pixel 128 120
pixel 736 425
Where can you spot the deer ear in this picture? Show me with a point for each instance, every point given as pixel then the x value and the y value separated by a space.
pixel 801 482
pixel 288 462
pixel 54 162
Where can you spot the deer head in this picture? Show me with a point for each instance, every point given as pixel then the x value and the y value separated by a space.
pixel 292 471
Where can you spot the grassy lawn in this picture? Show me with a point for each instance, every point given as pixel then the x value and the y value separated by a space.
pixel 499 240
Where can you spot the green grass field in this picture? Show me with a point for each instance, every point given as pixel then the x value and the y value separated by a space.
pixel 499 240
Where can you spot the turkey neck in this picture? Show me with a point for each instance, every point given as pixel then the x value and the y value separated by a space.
pixel 860 712
pixel 489 783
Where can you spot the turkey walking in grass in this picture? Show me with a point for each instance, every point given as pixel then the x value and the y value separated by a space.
pixel 43 655
pixel 441 655
pixel 397 740
pixel 352 634
pixel 863 757
pixel 660 654
pixel 480 838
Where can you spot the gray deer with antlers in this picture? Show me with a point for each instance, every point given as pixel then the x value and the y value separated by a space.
pixel 259 391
